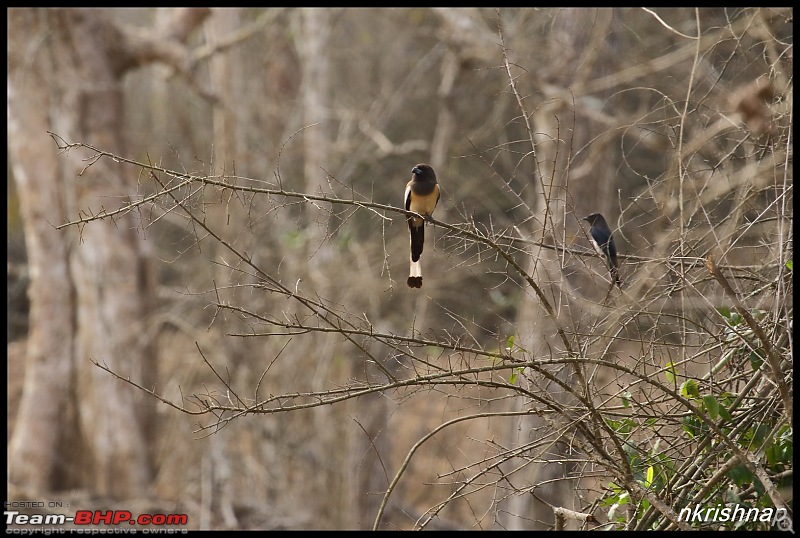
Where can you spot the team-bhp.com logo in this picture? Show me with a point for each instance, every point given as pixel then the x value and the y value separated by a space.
pixel 95 517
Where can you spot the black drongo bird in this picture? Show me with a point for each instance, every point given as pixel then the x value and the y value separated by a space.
pixel 603 243
pixel 422 195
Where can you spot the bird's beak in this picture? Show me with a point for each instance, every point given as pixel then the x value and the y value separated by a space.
pixel 416 170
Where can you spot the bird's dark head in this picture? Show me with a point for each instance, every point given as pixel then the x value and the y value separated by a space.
pixel 594 217
pixel 423 172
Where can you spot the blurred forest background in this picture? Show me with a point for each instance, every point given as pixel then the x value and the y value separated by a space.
pixel 199 210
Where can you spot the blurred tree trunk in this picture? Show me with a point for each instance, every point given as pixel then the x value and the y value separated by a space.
pixel 77 427
pixel 320 264
pixel 224 213
pixel 98 277
pixel 587 45
pixel 33 452
pixel 446 120
pixel 470 43
pixel 580 39
pixel 315 91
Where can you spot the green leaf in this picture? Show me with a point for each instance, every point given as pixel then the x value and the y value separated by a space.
pixel 691 426
pixel 648 481
pixel 689 389
pixel 741 476
pixel 724 311
pixel 670 372
pixel 712 405
pixel 760 433
pixel 789 265
pixel 723 412
pixel 510 343
pixel 624 426
pixel 756 359
pixel 773 455
pixel 627 426
pixel 634 457
pixel 616 495
pixel 760 491
pixel 626 399
pixel 514 373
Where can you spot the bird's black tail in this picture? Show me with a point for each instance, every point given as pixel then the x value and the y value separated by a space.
pixel 417 240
